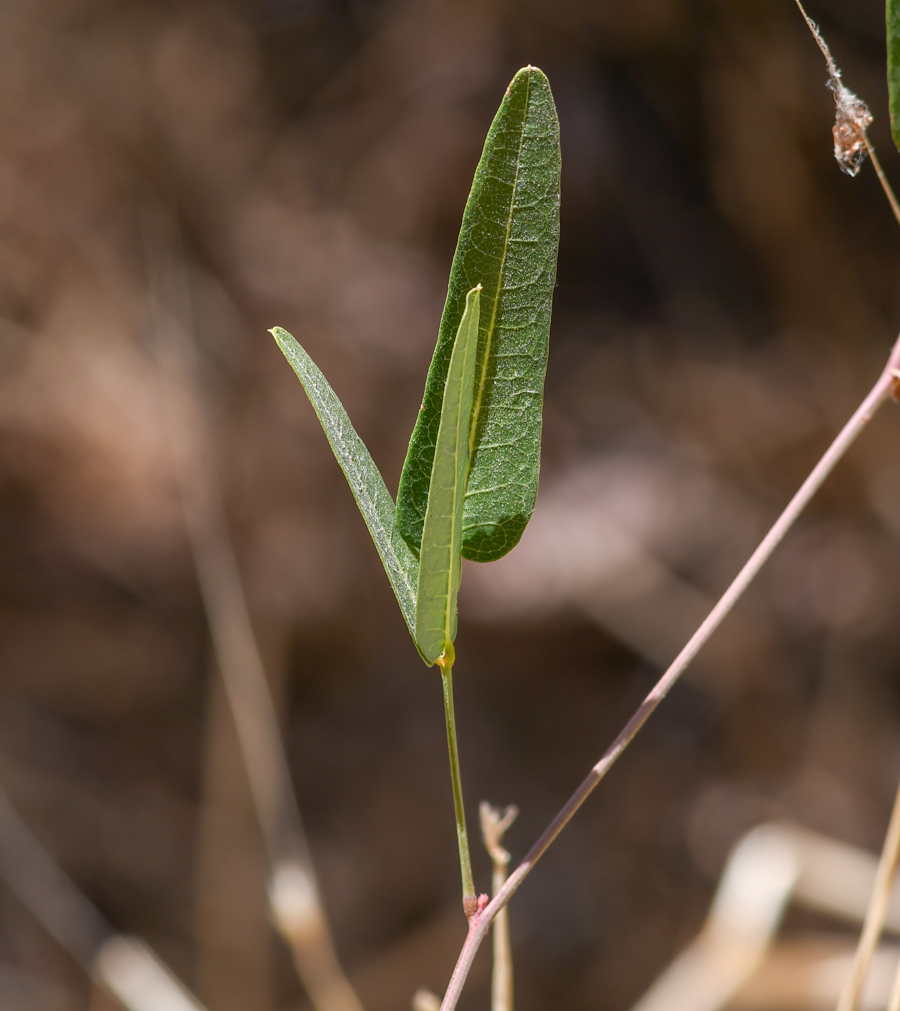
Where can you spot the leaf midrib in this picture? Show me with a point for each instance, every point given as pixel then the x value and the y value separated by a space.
pixel 476 410
pixel 457 444
pixel 448 594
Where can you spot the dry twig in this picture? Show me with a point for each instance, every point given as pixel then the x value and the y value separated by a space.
pixel 493 827
pixel 888 383
pixel 875 914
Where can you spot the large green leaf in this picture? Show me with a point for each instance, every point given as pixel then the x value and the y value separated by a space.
pixel 365 480
pixel 439 558
pixel 508 243
pixel 892 17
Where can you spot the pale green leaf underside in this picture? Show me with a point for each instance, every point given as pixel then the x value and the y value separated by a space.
pixel 508 243
pixel 439 557
pixel 892 17
pixel 365 480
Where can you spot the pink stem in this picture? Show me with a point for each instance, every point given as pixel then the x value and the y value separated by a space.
pixel 888 382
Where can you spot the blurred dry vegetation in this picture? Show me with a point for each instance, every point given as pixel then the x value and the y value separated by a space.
pixel 725 298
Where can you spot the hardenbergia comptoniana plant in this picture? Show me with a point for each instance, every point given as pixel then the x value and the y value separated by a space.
pixel 469 482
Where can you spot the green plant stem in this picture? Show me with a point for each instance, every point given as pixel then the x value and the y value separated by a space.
pixel 888 384
pixel 470 901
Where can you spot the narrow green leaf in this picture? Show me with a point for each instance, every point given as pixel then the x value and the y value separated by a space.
pixel 508 243
pixel 892 17
pixel 365 480
pixel 439 565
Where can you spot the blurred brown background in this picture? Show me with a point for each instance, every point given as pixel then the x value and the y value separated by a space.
pixel 725 298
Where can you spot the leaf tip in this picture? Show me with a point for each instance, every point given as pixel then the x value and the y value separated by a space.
pixel 529 71
pixel 527 79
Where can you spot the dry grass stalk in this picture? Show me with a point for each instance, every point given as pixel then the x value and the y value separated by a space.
pixel 851 144
pixel 886 386
pixel 731 963
pixel 876 913
pixel 293 892
pixel 494 824
pixel 894 1000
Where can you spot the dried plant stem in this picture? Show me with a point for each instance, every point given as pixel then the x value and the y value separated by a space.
pixel 875 914
pixel 894 1001
pixel 493 826
pixel 888 383
pixel 502 976
pixel 470 901
pixel 293 890
pixel 882 178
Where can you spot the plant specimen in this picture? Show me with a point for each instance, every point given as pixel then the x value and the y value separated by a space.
pixel 469 482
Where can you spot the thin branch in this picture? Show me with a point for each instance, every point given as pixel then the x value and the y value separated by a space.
pixel 493 827
pixel 876 914
pixel 882 178
pixel 888 383
pixel 894 1001
pixel 834 75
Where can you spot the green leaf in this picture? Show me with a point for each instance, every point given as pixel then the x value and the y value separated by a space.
pixel 439 558
pixel 508 243
pixel 365 480
pixel 892 17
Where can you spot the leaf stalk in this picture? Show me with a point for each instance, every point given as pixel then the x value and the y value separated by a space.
pixel 470 901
